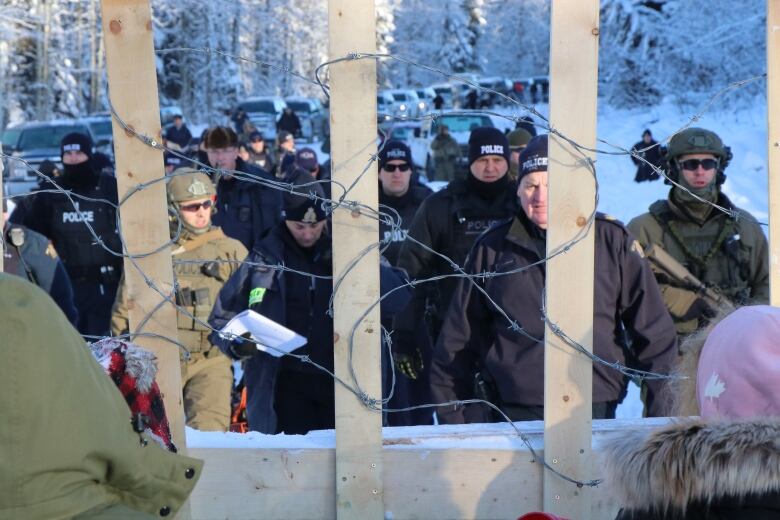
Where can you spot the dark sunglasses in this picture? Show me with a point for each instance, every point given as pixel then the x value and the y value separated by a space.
pixel 693 164
pixel 393 167
pixel 192 208
pixel 257 141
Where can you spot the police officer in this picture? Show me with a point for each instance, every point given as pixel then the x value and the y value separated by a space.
pixel 726 252
pixel 401 198
pixel 447 223
pixel 518 140
pixel 203 260
pixel 477 336
pixel 245 207
pixel 93 270
pixel 286 395
pixel 30 255
pixel 259 154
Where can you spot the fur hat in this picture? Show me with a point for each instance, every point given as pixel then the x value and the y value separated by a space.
pixel 220 137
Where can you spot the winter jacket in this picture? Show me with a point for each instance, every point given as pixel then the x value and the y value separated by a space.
pixel 247 209
pixel 406 205
pixel 645 172
pixel 449 221
pixel 736 252
pixel 290 123
pixel 296 301
pixel 63 221
pixel 67 444
pixel 476 334
pixel 36 260
pixel 446 151
pixel 181 136
pixel 697 470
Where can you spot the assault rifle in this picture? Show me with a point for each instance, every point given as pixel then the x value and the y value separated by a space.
pixel 665 264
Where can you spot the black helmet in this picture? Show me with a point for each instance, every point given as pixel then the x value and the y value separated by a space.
pixel 696 140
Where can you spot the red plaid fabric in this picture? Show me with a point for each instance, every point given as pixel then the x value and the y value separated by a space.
pixel 133 370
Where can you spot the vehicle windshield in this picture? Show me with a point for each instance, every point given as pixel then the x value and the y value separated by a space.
pixel 380 100
pixel 402 134
pixel 442 90
pixel 10 137
pixel 100 128
pixel 464 123
pixel 399 97
pixel 47 136
pixel 258 106
pixel 299 106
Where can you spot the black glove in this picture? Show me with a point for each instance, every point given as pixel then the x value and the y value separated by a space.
pixel 410 365
pixel 699 309
pixel 242 348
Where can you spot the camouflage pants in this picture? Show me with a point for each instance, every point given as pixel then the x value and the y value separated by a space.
pixel 207 381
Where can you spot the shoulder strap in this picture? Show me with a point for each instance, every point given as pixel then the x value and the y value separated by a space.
pixel 199 241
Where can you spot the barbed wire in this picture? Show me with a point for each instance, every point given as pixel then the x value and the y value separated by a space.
pixel 384 215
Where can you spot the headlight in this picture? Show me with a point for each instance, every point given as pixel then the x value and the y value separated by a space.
pixel 421 105
pixel 402 107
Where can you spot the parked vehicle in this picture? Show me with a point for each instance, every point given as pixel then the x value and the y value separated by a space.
pixel 384 106
pixel 446 91
pixel 34 142
pixel 264 112
pixel 496 84
pixel 460 125
pixel 102 132
pixel 313 117
pixel 426 96
pixel 406 104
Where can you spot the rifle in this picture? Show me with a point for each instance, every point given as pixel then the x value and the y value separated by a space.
pixel 666 264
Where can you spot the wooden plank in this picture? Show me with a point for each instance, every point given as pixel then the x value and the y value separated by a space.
pixel 132 78
pixel 568 375
pixel 773 138
pixel 353 129
pixel 431 473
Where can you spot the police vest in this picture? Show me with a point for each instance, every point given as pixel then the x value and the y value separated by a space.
pixel 75 244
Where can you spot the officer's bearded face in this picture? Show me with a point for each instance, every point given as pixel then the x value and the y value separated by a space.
pixel 223 158
pixel 532 192
pixel 306 235
pixel 489 168
pixel 195 213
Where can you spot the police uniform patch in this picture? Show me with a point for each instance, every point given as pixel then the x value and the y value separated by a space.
pixel 197 188
pixel 256 295
pixel 310 217
pixel 636 247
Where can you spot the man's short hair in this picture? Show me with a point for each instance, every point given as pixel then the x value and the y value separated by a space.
pixel 221 137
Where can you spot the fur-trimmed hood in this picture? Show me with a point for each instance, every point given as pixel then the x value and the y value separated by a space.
pixel 694 462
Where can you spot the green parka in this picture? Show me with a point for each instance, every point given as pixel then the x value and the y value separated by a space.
pixel 66 442
pixel 723 252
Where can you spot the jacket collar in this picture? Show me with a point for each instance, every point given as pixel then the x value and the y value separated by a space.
pixel 694 461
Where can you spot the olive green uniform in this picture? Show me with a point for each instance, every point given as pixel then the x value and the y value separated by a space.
pixel 201 267
pixel 67 445
pixel 727 253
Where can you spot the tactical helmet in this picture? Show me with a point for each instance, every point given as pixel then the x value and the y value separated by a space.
pixel 696 140
pixel 187 184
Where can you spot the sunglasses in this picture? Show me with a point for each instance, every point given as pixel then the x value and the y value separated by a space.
pixel 192 208
pixel 693 164
pixel 390 168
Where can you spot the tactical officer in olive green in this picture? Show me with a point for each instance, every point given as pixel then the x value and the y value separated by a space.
pixel 727 252
pixel 203 260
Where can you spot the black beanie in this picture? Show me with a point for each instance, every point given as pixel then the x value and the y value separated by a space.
pixel 534 157
pixel 487 140
pixel 395 151
pixel 76 142
pixel 298 206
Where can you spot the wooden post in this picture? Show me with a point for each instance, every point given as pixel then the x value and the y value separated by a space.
pixel 353 130
pixel 773 138
pixel 568 374
pixel 132 79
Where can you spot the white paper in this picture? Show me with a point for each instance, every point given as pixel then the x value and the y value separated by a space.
pixel 266 332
